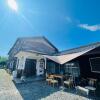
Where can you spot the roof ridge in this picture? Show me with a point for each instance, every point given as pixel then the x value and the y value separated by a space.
pixel 91 44
pixel 31 37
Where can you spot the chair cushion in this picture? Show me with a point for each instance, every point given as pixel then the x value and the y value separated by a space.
pixel 48 79
pixel 66 82
pixel 82 90
pixel 54 81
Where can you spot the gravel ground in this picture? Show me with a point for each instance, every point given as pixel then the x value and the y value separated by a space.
pixel 41 91
pixel 8 90
pixel 32 91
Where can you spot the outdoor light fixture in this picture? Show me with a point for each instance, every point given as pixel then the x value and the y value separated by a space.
pixel 13 5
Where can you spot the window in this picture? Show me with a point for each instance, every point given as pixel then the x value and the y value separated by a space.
pixel 72 68
pixel 51 67
pixel 95 64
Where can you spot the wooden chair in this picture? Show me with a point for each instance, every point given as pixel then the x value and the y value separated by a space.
pixel 69 83
pixel 54 82
pixel 91 85
pixel 49 78
pixel 92 82
pixel 48 81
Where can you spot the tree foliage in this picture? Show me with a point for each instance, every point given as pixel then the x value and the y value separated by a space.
pixel 3 60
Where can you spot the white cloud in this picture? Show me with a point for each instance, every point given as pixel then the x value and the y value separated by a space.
pixel 90 27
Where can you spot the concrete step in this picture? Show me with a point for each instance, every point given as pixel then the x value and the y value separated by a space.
pixel 29 79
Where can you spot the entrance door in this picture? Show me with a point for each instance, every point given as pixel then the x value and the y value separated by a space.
pixel 30 67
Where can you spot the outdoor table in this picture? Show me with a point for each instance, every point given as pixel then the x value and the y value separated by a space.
pixel 60 77
pixel 51 77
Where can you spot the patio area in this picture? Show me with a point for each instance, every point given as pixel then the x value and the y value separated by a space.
pixel 88 87
pixel 35 90
pixel 54 87
pixel 42 91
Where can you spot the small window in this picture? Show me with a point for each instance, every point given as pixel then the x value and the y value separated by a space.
pixel 51 67
pixel 95 64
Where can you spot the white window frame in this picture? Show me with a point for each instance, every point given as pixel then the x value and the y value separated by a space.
pixel 71 68
pixel 91 64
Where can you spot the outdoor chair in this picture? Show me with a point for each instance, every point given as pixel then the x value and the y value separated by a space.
pixel 82 90
pixel 54 82
pixel 91 85
pixel 69 83
pixel 92 82
pixel 49 78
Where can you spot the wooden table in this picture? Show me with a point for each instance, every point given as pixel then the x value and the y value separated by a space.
pixel 60 77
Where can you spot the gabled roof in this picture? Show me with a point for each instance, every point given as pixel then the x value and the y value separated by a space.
pixel 79 49
pixel 33 44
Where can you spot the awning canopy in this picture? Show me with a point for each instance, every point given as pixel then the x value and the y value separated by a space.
pixel 67 57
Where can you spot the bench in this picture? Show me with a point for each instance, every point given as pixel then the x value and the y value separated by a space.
pixel 82 90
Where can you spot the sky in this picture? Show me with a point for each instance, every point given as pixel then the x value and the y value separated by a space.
pixel 66 23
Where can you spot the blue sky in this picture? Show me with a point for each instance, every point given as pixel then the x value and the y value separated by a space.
pixel 66 23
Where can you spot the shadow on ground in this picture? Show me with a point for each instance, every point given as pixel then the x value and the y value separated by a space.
pixel 35 90
pixel 40 90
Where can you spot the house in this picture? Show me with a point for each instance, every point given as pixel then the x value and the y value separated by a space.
pixel 26 54
pixel 37 56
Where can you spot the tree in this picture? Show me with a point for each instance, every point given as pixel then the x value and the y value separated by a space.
pixel 3 61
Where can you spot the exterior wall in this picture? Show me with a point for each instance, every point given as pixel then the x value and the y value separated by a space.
pixel 21 63
pixel 60 69
pixel 85 67
pixel 71 68
pixel 52 67
pixel 11 63
pixel 22 56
